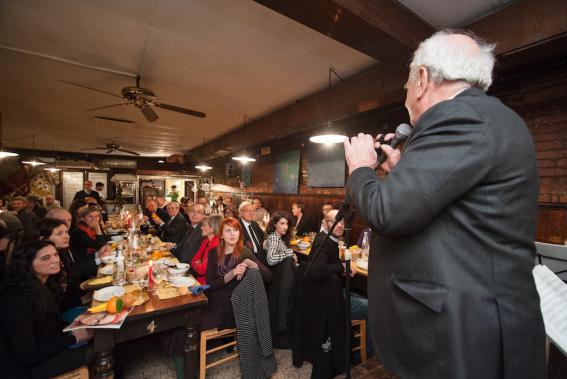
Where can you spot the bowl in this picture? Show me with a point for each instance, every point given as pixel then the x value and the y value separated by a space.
pixel 107 293
pixel 179 269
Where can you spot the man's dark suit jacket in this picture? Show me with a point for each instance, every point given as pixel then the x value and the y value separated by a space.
pixel 189 245
pixel 80 195
pixel 162 213
pixel 262 255
pixel 450 288
pixel 173 231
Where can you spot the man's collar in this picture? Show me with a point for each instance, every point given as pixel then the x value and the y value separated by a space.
pixel 246 223
pixel 332 237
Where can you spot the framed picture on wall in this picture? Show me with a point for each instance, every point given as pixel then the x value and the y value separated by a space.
pixel 286 178
pixel 326 165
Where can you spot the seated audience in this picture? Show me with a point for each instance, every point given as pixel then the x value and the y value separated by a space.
pixel 74 267
pixel 32 343
pixel 173 228
pixel 51 203
pixel 62 215
pixel 87 237
pixel 34 204
pixel 27 217
pixel 11 231
pixel 224 270
pixel 282 261
pixel 149 212
pixel 186 249
pixel 74 209
pixel 324 209
pixel 184 208
pixel 301 223
pixel 253 234
pixel 210 229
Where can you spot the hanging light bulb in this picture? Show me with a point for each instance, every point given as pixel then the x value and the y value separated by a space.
pixel 203 167
pixel 52 169
pixel 328 137
pixel 34 162
pixel 7 154
pixel 244 158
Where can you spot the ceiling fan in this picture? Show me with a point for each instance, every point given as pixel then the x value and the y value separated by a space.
pixel 112 147
pixel 142 98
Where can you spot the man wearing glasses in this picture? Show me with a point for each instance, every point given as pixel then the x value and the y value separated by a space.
pixel 186 249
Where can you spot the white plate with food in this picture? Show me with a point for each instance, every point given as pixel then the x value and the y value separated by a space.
pixel 106 269
pixel 303 245
pixel 108 259
pixel 183 281
pixel 107 293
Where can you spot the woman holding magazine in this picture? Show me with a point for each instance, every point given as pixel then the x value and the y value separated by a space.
pixel 32 343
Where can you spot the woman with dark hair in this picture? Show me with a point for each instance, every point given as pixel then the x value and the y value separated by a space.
pixel 230 211
pixel 87 237
pixel 283 264
pixel 75 267
pixel 75 208
pixel 224 270
pixel 277 240
pixel 32 343
pixel 301 223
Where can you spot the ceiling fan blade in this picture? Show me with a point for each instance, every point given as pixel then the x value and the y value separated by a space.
pixel 114 119
pixel 150 114
pixel 128 151
pixel 186 111
pixel 96 148
pixel 89 88
pixel 107 106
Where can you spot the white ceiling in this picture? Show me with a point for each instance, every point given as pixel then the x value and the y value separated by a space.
pixel 226 58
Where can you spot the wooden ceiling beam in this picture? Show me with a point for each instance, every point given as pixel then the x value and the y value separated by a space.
pixel 381 29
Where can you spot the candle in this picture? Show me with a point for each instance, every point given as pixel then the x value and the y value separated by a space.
pixel 151 274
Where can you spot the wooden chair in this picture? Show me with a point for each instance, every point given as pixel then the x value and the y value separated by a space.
pixel 213 334
pixel 361 335
pixel 79 373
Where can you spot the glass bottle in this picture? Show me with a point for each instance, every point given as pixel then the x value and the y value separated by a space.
pixel 365 248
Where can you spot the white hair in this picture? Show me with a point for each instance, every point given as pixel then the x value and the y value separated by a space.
pixel 453 62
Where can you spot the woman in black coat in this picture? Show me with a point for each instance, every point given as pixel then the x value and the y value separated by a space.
pixel 32 343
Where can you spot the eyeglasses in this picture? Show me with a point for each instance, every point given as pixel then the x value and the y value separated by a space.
pixel 333 221
pixel 196 212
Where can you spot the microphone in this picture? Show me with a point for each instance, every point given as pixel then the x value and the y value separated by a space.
pixel 403 131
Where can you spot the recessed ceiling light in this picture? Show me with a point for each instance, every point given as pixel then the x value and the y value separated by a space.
pixel 161 161
pixel 244 159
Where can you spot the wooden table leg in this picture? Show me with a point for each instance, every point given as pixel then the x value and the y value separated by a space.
pixel 191 350
pixel 104 365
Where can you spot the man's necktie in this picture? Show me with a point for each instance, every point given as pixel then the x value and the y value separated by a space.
pixel 254 239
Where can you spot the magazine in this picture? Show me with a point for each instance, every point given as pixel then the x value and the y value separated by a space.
pixel 101 320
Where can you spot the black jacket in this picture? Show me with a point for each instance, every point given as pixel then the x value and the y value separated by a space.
pixel 80 195
pixel 317 313
pixel 189 245
pixel 283 277
pixel 174 229
pixel 305 226
pixel 450 288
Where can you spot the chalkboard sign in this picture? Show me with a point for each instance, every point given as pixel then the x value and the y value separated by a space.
pixel 326 165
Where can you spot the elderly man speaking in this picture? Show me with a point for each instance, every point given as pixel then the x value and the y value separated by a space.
pixel 450 289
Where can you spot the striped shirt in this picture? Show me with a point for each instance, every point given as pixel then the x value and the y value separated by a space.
pixel 277 251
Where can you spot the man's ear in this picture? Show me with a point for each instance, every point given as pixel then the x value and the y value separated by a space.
pixel 421 82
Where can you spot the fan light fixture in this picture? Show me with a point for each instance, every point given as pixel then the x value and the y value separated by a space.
pixel 328 137
pixel 203 167
pixel 4 154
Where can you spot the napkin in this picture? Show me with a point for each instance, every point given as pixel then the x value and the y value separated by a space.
pixel 197 290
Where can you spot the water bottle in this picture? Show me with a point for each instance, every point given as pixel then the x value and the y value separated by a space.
pixel 119 269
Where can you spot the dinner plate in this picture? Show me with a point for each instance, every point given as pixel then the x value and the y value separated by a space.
pixel 362 265
pixel 183 281
pixel 107 293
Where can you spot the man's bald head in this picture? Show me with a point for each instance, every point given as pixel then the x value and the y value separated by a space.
pixel 61 215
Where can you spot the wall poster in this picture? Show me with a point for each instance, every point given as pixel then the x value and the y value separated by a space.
pixel 286 178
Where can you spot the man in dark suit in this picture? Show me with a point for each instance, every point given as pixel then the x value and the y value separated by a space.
pixel 189 245
pixel 174 227
pixel 451 293
pixel 87 191
pixel 253 234
pixel 161 210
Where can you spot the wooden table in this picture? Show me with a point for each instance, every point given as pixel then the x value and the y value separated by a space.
pixel 153 317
